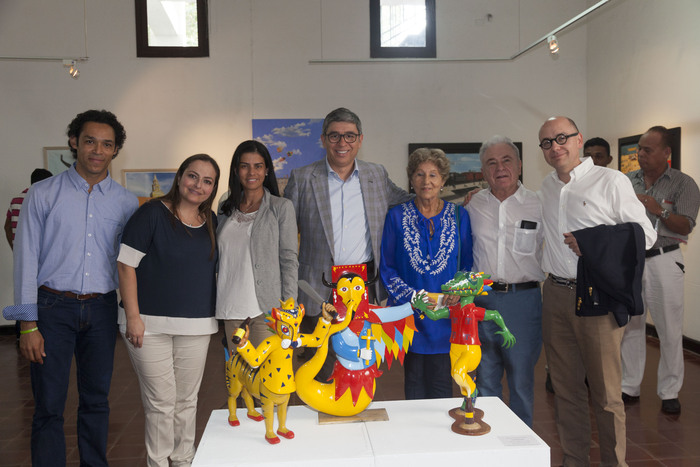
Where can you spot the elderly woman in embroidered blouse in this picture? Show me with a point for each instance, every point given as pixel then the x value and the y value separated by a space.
pixel 425 241
pixel 257 239
pixel 167 269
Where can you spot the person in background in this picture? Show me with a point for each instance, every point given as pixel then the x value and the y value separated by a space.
pixel 167 279
pixel 16 204
pixel 507 229
pixel 575 196
pixel 671 199
pixel 599 150
pixel 257 241
pixel 65 276
pixel 424 243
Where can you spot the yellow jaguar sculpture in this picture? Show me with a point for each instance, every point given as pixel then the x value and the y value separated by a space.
pixel 266 372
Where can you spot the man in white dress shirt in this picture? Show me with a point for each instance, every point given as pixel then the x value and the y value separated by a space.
pixel 578 195
pixel 507 233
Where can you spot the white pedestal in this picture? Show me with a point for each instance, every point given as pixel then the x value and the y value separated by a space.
pixel 417 433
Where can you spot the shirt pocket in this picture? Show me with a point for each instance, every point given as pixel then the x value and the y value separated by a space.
pixel 525 241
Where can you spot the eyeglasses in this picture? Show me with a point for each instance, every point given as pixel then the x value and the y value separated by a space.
pixel 348 137
pixel 561 139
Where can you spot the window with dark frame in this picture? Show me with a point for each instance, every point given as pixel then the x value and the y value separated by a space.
pixel 172 28
pixel 402 29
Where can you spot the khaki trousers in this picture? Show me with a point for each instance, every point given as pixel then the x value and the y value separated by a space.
pixel 169 369
pixel 578 348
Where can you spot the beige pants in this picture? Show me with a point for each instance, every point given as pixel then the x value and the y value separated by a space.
pixel 169 369
pixel 579 348
pixel 663 300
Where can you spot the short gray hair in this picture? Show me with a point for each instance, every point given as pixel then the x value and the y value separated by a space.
pixel 434 155
pixel 341 114
pixel 497 139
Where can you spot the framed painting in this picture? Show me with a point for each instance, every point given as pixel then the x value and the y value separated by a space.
pixel 58 159
pixel 628 147
pixel 292 142
pixel 465 167
pixel 147 184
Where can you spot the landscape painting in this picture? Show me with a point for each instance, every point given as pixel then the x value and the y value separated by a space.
pixel 292 142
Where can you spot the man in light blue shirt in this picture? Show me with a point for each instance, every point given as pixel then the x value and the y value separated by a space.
pixel 350 230
pixel 341 203
pixel 65 279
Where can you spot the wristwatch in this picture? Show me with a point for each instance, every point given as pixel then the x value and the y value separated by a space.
pixel 665 213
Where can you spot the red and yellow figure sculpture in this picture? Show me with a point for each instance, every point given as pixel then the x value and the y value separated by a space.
pixel 362 336
pixel 266 372
pixel 465 348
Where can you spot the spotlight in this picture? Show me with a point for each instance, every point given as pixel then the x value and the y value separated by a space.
pixel 553 44
pixel 72 68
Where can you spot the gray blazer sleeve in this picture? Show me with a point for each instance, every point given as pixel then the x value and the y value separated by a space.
pixel 289 263
pixel 273 251
pixel 291 192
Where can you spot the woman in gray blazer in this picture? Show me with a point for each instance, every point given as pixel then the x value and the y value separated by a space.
pixel 257 242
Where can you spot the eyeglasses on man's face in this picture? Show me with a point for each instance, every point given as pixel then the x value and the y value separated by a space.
pixel 348 137
pixel 561 140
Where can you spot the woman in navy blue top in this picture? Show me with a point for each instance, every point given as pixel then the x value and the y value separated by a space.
pixel 167 280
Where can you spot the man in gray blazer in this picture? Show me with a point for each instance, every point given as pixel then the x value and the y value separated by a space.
pixel 340 204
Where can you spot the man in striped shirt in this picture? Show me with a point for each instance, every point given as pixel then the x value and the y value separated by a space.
pixel 16 204
pixel 671 199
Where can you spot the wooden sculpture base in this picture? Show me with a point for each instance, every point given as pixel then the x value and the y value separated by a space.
pixel 368 415
pixel 477 428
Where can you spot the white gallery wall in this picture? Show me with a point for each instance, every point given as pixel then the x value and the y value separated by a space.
pixel 643 69
pixel 259 67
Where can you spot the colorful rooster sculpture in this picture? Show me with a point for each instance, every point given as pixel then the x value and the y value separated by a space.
pixel 362 336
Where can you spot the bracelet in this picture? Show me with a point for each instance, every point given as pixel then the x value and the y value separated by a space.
pixel 29 330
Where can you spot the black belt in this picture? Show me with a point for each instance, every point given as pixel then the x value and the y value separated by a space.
pixel 563 281
pixel 73 295
pixel 664 249
pixel 505 287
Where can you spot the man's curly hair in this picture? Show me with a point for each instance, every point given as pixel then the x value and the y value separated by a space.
pixel 97 116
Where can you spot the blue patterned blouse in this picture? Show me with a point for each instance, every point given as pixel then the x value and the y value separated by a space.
pixel 413 260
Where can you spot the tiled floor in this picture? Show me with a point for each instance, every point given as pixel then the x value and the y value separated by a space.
pixel 654 439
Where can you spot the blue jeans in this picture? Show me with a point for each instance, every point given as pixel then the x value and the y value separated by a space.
pixel 85 329
pixel 522 313
pixel 427 376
